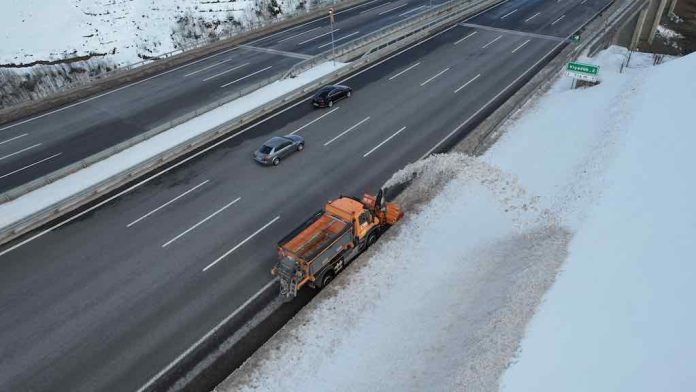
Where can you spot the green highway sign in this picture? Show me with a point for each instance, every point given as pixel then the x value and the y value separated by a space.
pixel 587 69
pixel 582 71
pixel 575 38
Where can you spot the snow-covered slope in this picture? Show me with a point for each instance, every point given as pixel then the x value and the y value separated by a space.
pixel 126 31
pixel 598 178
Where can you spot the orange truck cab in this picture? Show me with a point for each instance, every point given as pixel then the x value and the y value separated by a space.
pixel 322 246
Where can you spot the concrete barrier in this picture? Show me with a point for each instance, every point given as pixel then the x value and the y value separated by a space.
pixel 396 37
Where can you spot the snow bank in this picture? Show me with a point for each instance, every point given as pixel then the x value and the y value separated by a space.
pixel 72 184
pixel 620 316
pixel 125 30
pixel 442 301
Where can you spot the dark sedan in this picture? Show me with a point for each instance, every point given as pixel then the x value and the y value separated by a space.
pixel 326 96
pixel 277 148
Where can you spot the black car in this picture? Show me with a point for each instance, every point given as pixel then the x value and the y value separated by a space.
pixel 278 147
pixel 326 96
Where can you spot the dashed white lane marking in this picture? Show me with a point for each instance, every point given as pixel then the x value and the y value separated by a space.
pixel 168 203
pixel 313 121
pixel 28 166
pixel 385 140
pixel 20 151
pixel 208 67
pixel 412 10
pixel 508 14
pixel 338 39
pixel 317 37
pixel 491 43
pixel 225 72
pixel 392 9
pixel 404 71
pixel 246 76
pixel 462 39
pixel 241 243
pixel 375 7
pixel 520 47
pixel 299 34
pixel 532 17
pixel 207 218
pixel 557 20
pixel 347 130
pixel 13 138
pixel 467 83
pixel 435 76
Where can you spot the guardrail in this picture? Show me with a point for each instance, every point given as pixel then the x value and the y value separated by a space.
pixel 96 191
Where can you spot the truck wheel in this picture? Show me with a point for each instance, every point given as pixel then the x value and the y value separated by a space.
pixel 276 161
pixel 371 239
pixel 328 277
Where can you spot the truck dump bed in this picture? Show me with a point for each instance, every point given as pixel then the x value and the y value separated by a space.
pixel 312 237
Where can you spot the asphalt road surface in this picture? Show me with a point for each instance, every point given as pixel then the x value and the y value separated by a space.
pixel 36 146
pixel 109 299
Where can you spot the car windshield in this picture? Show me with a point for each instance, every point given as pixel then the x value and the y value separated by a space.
pixel 265 149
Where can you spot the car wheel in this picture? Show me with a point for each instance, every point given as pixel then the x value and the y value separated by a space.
pixel 330 103
pixel 300 147
pixel 276 161
pixel 348 94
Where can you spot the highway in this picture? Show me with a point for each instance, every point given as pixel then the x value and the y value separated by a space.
pixel 39 145
pixel 107 300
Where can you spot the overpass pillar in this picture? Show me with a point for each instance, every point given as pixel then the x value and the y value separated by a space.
pixel 635 39
pixel 654 14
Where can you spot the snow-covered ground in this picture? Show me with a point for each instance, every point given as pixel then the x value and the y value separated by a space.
pixel 125 30
pixel 593 182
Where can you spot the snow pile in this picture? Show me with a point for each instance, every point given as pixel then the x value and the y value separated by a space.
pixel 41 198
pixel 124 31
pixel 668 33
pixel 597 178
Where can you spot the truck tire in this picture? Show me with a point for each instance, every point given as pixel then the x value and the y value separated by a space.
pixel 371 239
pixel 326 279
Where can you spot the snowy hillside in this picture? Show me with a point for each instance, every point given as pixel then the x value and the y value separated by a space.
pixel 124 31
pixel 595 182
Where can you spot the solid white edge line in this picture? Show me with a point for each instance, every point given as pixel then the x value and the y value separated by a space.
pixel 199 341
pixel 247 76
pixel 168 203
pixel 313 121
pixel 385 140
pixel 462 39
pixel 520 47
pixel 346 131
pixel 241 243
pixel 404 71
pixel 508 14
pixel 460 126
pixel 338 39
pixel 206 336
pixel 28 166
pixel 392 9
pixel 222 141
pixel 19 152
pixel 207 218
pixel 490 43
pixel 467 83
pixel 13 138
pixel 225 72
pixel 558 20
pixel 434 77
pixel 118 89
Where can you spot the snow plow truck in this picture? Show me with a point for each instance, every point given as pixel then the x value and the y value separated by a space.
pixel 324 244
